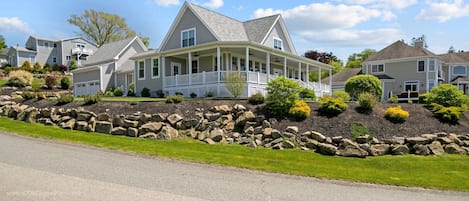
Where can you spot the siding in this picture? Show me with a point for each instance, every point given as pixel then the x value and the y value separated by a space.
pixel 150 83
pixel 86 76
pixel 277 32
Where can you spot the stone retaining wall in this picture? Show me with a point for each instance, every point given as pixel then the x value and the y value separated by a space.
pixel 232 124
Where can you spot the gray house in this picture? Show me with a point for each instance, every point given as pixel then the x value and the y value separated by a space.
pixel 202 46
pixel 455 69
pixel 108 66
pixel 4 56
pixel 51 51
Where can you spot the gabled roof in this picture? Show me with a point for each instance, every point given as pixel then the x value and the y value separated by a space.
pixel 79 37
pixel 257 29
pixel 399 50
pixel 454 58
pixel 111 51
pixel 44 38
pixel 4 51
pixel 22 49
pixel 343 75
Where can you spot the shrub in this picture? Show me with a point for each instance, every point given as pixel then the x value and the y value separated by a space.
pixel 449 114
pixel 65 82
pixel 37 67
pixel 423 98
pixel 235 82
pixel 174 99
pixel 396 114
pixel 394 99
pixel 131 91
pixel 100 93
pixel 118 92
pixel 209 94
pixel 282 93
pixel 62 68
pixel 447 95
pixel 20 78
pixel 366 102
pixel 51 81
pixel 145 92
pixel 47 68
pixel 28 95
pixel 159 93
pixel 41 95
pixel 92 99
pixel 300 111
pixel 64 99
pixel 330 106
pixel 342 95
pixel 179 94
pixel 73 65
pixel 256 99
pixel 358 129
pixel 109 93
pixel 193 95
pixel 26 66
pixel 307 93
pixel 359 84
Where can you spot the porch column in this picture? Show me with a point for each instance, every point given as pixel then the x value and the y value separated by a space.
pixel 163 72
pixel 285 67
pixel 218 70
pixel 320 78
pixel 330 80
pixel 247 61
pixel 299 71
pixel 307 74
pixel 189 55
pixel 268 65
pixel 126 90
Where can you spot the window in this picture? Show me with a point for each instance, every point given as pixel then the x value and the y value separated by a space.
pixel 188 37
pixel 459 70
pixel 431 84
pixel 264 68
pixel 141 70
pixel 46 44
pixel 278 44
pixel 82 46
pixel 411 85
pixel 68 58
pixel 377 68
pixel 55 44
pixel 32 59
pixel 234 63
pixel 251 67
pixel 242 64
pixel 431 66
pixel 421 66
pixel 175 69
pixel 54 60
pixel 256 66
pixel 195 66
pixel 155 71
pixel 215 63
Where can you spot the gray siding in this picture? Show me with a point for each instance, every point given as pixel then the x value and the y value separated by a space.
pixel 65 47
pixel 277 32
pixel 153 84
pixel 86 76
pixel 108 76
pixel 188 21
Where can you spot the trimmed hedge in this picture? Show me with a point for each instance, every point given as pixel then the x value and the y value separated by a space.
pixel 330 106
pixel 300 111
pixel 256 99
pixel 396 114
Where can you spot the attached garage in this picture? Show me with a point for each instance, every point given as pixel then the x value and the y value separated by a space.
pixel 86 81
pixel 85 88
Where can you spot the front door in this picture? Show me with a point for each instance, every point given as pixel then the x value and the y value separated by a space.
pixel 175 68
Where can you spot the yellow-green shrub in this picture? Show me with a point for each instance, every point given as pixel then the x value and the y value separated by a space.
pixel 396 114
pixel 300 110
pixel 20 78
pixel 332 106
pixel 447 114
pixel 41 95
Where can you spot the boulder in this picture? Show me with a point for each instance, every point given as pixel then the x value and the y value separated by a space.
pixel 118 120
pixel 83 116
pixel 230 126
pixel 352 151
pixel 379 149
pixel 212 116
pixel 266 124
pixel 454 149
pixel 436 148
pixel 202 135
pixel 287 144
pixel 55 118
pixel 326 149
pixel 267 132
pixel 432 137
pixel 173 119
pixel 444 140
pixel 362 139
pixel 239 108
pixel 289 135
pixel 292 129
pixel 347 142
pixel 132 132
pixel 103 117
pixel 252 144
pixel 70 124
pixel 103 127
pixel 130 124
pixel 395 140
pixel 169 131
pixel 45 121
pixel 318 136
pixel 118 131
pixel 222 109
pixel 276 134
pixel 81 125
pixel 31 114
pixel 417 140
pixel 150 135
pixel 400 149
pixel 189 123
pixel 152 127
pixel 337 139
pixel 217 135
pixel 421 149
pixel 311 144
pixel 249 130
pixel 209 141
pixel 159 117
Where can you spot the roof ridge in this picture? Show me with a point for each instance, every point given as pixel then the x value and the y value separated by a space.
pixel 261 18
pixel 212 11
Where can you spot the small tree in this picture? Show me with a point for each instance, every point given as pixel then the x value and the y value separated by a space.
pixel 47 67
pixel 235 82
pixel 282 93
pixel 73 65
pixel 26 66
pixel 359 84
pixel 37 67
pixel 65 83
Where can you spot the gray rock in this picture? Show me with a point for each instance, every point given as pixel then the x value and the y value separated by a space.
pixel 83 116
pixel 130 123
pixel 239 108
pixel 70 124
pixel 326 149
pixel 173 119
pixel 454 149
pixel 421 149
pixel 103 127
pixel 150 135
pixel 400 150
pixel 209 141
pixel 103 117
pixel 202 135
pixel 252 144
pixel 432 137
pixel 353 151
pixel 212 116
pixel 337 139
pixel 118 120
pixel 347 142
pixel 170 131
pixel 379 149
pixel 230 140
pixel 288 135
pixel 132 132
pixel 119 131
pixel 287 144
pixel 217 135
pixel 230 126
pixel 222 109
pixel 152 127
pixel 445 140
pixel 436 148
pixel 160 117
pixel 395 140
pixel 292 129
pixel 190 123
pixel 362 139
pixel 276 134
pixel 81 125
pixel 266 124
pixel 311 144
pixel 318 136
pixel 417 140
pixel 277 146
pixel 267 132
pixel 45 121
pixel 249 130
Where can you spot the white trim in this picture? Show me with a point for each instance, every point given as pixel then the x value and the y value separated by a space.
pixel 412 81
pixel 377 66
pixel 424 66
pixel 138 70
pixel 182 37
pixel 281 43
pixel 458 74
pixel 152 65
pixel 178 65
pixel 434 65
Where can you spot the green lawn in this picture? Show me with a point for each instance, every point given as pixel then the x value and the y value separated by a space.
pixel 3 82
pixel 449 172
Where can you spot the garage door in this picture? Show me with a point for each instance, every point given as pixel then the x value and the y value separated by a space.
pixel 85 88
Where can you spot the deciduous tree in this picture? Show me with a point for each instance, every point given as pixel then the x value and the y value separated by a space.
pixel 355 60
pixel 234 82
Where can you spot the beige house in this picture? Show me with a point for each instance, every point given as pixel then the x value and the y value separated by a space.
pixel 454 67
pixel 202 46
pixel 405 70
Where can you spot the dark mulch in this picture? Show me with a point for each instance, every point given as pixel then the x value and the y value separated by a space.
pixel 420 120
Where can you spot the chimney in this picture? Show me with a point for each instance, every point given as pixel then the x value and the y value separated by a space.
pixel 419 42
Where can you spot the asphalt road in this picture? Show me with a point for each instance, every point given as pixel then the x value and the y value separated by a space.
pixel 37 170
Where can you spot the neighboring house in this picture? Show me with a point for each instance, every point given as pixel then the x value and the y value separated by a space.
pixel 109 66
pixel 4 56
pixel 455 69
pixel 202 46
pixel 339 79
pixel 404 69
pixel 51 51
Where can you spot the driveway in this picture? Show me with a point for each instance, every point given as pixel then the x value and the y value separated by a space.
pixel 33 169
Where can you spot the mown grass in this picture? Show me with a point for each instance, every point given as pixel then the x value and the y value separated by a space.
pixel 3 82
pixel 448 172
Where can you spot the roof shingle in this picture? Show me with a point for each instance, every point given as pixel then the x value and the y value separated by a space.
pixel 399 50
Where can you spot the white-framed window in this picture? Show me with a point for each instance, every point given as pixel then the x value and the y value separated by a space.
pixel 141 70
pixel 81 46
pixel 377 68
pixel 55 44
pixel 175 68
pixel 234 63
pixel 68 58
pixel 188 37
pixel 46 44
pixel 459 70
pixel 431 84
pixel 195 66
pixel 242 64
pixel 431 66
pixel 251 66
pixel 412 85
pixel 264 68
pixel 215 65
pixel 54 60
pixel 421 66
pixel 32 59
pixel 278 43
pixel 155 70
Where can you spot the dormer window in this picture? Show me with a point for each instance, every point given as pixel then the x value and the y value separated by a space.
pixel 278 44
pixel 188 37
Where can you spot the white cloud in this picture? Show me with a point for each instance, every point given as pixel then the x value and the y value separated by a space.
pixel 213 4
pixel 388 4
pixel 167 2
pixel 444 11
pixel 13 24
pixel 343 37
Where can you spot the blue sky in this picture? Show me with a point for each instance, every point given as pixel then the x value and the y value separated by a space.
pixel 339 26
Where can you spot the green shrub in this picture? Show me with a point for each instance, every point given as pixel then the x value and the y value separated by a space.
pixel 358 129
pixel 41 95
pixel 109 93
pixel 131 91
pixel 100 93
pixel 359 84
pixel 51 81
pixel 330 106
pixel 366 102
pixel 37 68
pixel 447 95
pixel 423 98
pixel 64 99
pixel 394 99
pixel 65 82
pixel 256 99
pixel 19 78
pixel 342 95
pixel 450 114
pixel 193 95
pixel 300 111
pixel 118 92
pixel 209 94
pixel 47 68
pixel 145 92
pixel 174 99
pixel 28 95
pixel 179 94
pixel 26 66
pixel 282 93
pixel 92 99
pixel 396 114
pixel 235 82
pixel 307 93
